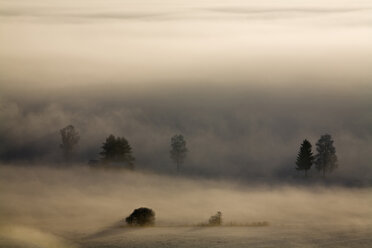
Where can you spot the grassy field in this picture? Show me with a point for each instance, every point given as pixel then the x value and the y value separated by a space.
pixel 79 207
pixel 270 236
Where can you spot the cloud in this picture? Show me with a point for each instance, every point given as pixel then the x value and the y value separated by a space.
pixel 312 10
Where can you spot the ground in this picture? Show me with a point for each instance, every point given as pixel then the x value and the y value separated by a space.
pixel 44 207
pixel 270 236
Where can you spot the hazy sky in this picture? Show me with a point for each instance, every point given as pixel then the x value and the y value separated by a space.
pixel 244 81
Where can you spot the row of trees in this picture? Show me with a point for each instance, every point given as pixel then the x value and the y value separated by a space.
pixel 117 151
pixel 325 160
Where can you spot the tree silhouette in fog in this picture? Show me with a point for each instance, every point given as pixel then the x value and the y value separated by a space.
pixel 325 159
pixel 117 150
pixel 178 150
pixel 70 139
pixel 305 157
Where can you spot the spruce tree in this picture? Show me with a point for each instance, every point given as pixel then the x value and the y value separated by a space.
pixel 305 157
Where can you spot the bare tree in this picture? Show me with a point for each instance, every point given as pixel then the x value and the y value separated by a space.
pixel 178 150
pixel 70 139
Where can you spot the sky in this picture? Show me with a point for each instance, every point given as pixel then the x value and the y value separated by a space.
pixel 244 81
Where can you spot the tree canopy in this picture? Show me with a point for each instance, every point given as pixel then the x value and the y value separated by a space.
pixel 305 157
pixel 70 138
pixel 178 150
pixel 325 159
pixel 117 150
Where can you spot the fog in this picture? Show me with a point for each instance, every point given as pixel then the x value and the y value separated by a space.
pixel 77 206
pixel 59 44
pixel 245 82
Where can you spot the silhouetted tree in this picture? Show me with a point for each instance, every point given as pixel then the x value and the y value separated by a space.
pixel 141 217
pixel 70 139
pixel 117 150
pixel 178 150
pixel 325 159
pixel 305 157
pixel 215 220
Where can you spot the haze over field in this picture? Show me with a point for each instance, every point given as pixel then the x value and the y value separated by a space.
pixel 82 207
pixel 244 82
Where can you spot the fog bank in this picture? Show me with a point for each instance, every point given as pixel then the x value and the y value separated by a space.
pixel 83 199
pixel 245 82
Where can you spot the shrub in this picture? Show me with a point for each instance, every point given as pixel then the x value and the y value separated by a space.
pixel 141 217
pixel 215 220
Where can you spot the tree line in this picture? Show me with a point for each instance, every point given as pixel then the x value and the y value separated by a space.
pixel 116 151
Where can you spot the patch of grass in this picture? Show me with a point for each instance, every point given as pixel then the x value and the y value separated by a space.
pixel 249 224
pixel 237 224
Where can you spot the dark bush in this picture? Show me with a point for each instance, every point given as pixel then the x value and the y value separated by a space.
pixel 216 220
pixel 141 217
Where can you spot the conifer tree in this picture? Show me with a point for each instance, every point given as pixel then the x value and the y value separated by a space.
pixel 305 157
